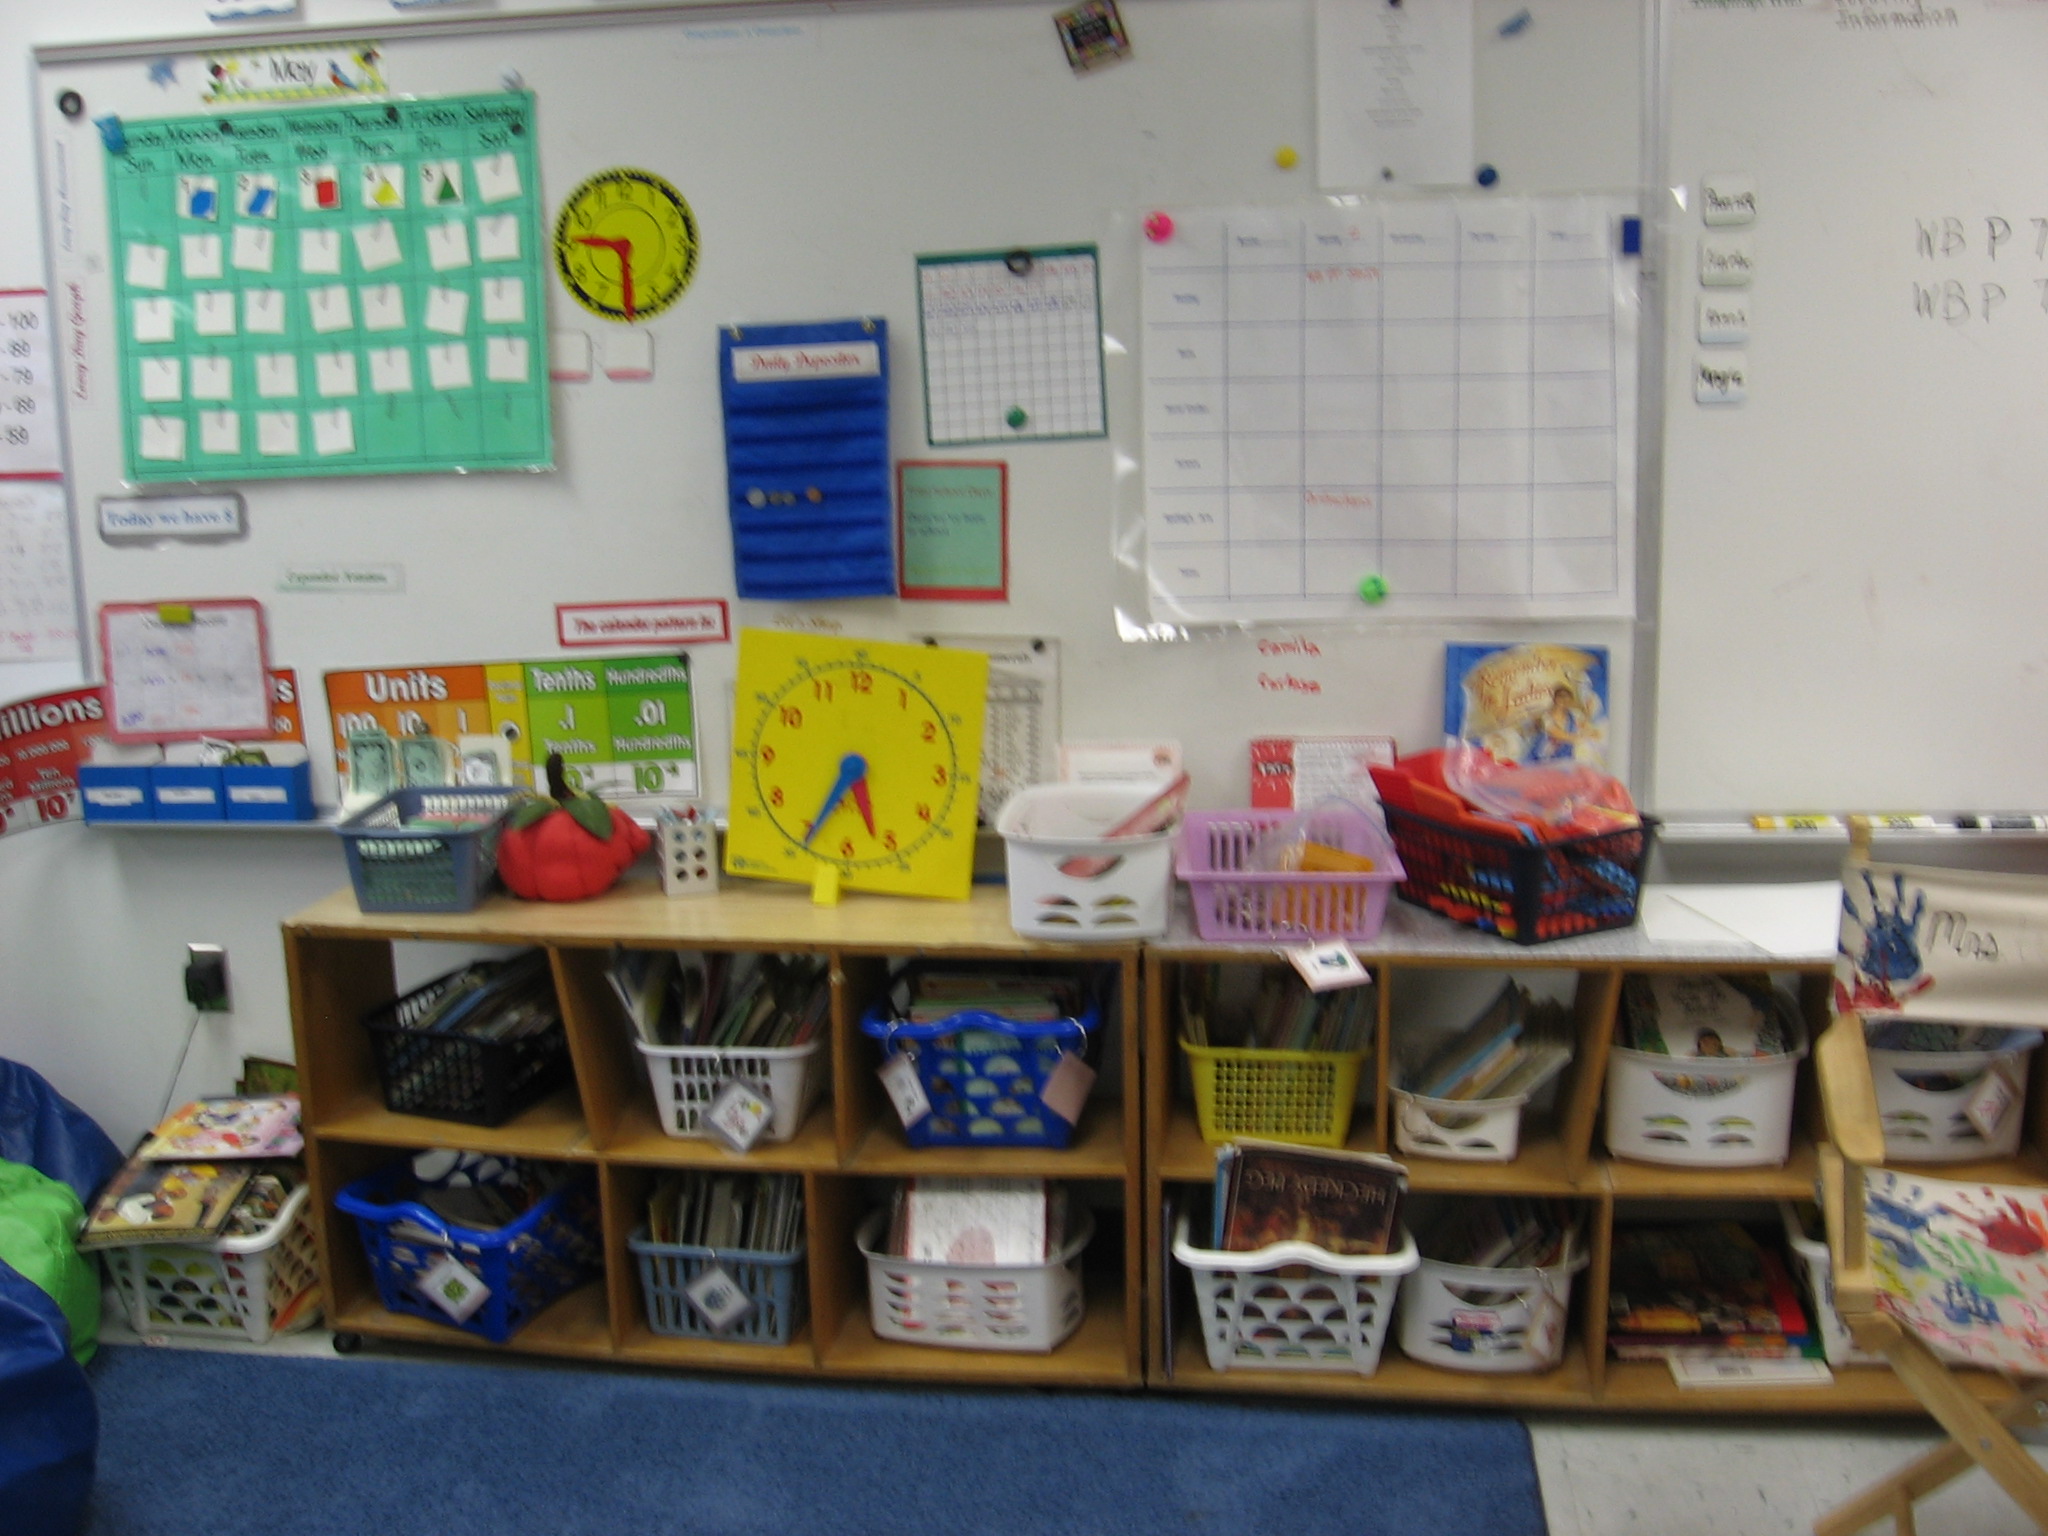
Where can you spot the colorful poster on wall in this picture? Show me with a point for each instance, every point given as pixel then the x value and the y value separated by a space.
pixel 331 290
pixel 953 531
pixel 626 726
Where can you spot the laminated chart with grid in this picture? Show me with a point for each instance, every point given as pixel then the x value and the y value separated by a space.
pixel 1438 392
pixel 1012 345
pixel 331 291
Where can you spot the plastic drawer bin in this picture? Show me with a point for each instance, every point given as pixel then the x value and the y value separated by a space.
pixel 249 1287
pixel 112 793
pixel 187 792
pixel 1810 1258
pixel 1469 1130
pixel 772 1281
pixel 686 1078
pixel 1703 1111
pixel 1024 1308
pixel 460 1077
pixel 398 865
pixel 1294 1306
pixel 983 1074
pixel 1923 1098
pixel 1048 825
pixel 1298 1096
pixel 1234 902
pixel 1491 1321
pixel 527 1264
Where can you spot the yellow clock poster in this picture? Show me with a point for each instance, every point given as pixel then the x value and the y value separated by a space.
pixel 625 244
pixel 863 756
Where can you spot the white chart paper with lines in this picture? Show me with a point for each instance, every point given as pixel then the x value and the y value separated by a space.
pixel 1012 345
pixel 1440 392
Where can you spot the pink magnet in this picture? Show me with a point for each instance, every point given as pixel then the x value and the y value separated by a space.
pixel 1159 227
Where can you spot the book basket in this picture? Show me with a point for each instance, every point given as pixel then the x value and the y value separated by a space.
pixel 1124 889
pixel 1923 1100
pixel 1490 1321
pixel 252 1287
pixel 1294 1306
pixel 984 1073
pixel 460 1077
pixel 1298 1096
pixel 398 865
pixel 773 1282
pixel 1471 1130
pixel 527 1264
pixel 1025 1308
pixel 1235 901
pixel 1704 1111
pixel 686 1078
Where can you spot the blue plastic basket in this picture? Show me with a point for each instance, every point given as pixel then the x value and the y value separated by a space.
pixel 397 866
pixel 527 1264
pixel 772 1281
pixel 983 1074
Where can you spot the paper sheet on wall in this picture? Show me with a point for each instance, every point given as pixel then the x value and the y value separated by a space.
pixel 28 395
pixel 1393 93
pixel 1439 392
pixel 38 611
pixel 185 676
pixel 1012 345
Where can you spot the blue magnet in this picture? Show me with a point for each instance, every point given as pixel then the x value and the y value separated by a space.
pixel 1515 23
pixel 1486 175
pixel 1631 237
pixel 112 135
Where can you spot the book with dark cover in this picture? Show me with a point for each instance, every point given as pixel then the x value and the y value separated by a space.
pixel 149 1202
pixel 1702 1288
pixel 1343 1202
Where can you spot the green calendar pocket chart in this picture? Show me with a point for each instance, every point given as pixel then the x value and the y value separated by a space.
pixel 347 290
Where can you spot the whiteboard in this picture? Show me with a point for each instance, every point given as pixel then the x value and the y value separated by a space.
pixel 1853 555
pixel 823 150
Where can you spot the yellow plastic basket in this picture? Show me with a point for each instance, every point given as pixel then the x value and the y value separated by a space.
pixel 1302 1096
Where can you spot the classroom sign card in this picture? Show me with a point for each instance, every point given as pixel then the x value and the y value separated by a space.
pixel 626 726
pixel 331 290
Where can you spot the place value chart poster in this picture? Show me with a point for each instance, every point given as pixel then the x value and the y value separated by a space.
pixel 341 290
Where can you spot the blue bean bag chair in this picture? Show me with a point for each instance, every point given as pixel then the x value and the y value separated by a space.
pixel 56 1158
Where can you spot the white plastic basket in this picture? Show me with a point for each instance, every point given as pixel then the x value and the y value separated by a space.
pixel 1471 1130
pixel 1707 1112
pixel 1928 1124
pixel 1047 825
pixel 686 1078
pixel 1817 1270
pixel 255 1286
pixel 1025 1308
pixel 1259 1312
pixel 1492 1321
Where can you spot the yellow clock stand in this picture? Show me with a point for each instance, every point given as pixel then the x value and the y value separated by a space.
pixel 856 763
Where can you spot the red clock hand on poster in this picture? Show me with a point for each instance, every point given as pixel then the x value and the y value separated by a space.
pixel 624 251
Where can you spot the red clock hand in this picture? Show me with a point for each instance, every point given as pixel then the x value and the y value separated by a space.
pixel 623 249
pixel 865 806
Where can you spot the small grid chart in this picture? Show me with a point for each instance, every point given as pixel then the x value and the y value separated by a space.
pixel 331 291
pixel 1012 345
pixel 37 611
pixel 1437 392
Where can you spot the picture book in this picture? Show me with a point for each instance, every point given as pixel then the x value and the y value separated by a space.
pixel 1702 1288
pixel 1342 1202
pixel 228 1128
pixel 1669 1015
pixel 148 1202
pixel 1470 1056
pixel 1529 703
pixel 975 1221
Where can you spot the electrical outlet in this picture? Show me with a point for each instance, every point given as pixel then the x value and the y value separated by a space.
pixel 206 977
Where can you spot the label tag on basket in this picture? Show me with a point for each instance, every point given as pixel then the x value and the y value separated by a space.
pixel 906 1089
pixel 1066 1087
pixel 1325 967
pixel 738 1115
pixel 718 1297
pixel 1995 1097
pixel 453 1287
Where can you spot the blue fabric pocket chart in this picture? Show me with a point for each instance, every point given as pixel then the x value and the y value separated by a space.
pixel 807 458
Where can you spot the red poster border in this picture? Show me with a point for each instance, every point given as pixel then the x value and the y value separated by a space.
pixel 723 636
pixel 909 593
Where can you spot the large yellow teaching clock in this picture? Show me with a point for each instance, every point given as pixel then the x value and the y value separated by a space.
pixel 625 244
pixel 860 755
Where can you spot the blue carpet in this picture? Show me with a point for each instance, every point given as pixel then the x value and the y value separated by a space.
pixel 195 1442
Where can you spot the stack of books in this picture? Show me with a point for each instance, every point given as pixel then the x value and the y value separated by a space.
pixel 215 1168
pixel 744 1002
pixel 1704 1016
pixel 1506 1232
pixel 1711 1290
pixel 945 1220
pixel 1510 1049
pixel 1281 1015
pixel 1271 1192
pixel 744 1212
pixel 495 1000
pixel 1026 997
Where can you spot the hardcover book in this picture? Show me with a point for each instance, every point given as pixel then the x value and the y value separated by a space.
pixel 149 1202
pixel 1698 1288
pixel 1532 703
pixel 1343 1202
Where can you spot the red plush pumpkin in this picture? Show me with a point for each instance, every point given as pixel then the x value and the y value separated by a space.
pixel 569 846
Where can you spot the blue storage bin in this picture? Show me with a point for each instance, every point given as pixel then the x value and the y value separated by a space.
pixel 186 792
pixel 259 792
pixel 527 1264
pixel 772 1281
pixel 398 865
pixel 115 794
pixel 983 1073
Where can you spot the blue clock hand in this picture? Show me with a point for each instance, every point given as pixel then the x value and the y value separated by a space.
pixel 852 769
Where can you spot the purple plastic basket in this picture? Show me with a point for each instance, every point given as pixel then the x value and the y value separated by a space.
pixel 1235 903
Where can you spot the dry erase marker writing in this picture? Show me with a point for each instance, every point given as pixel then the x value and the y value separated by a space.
pixel 2003 823
pixel 1795 823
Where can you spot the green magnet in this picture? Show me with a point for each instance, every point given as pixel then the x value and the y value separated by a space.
pixel 1373 589
pixel 1017 417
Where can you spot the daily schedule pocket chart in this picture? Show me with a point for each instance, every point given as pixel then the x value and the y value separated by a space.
pixel 337 290
pixel 1430 402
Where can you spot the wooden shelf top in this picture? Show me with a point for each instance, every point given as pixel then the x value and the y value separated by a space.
pixel 744 914
pixel 1655 1181
pixel 1093 1357
pixel 576 1327
pixel 1570 1385
pixel 553 1128
pixel 1645 1386
pixel 643 1346
pixel 1185 1157
pixel 640 1139
pixel 1096 1152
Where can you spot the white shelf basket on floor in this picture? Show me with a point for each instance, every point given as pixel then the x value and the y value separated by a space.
pixel 1025 1308
pixel 255 1286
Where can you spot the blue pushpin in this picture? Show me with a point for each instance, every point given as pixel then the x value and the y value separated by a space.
pixel 112 134
pixel 1486 175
